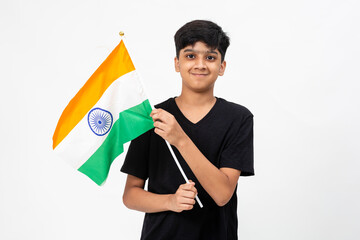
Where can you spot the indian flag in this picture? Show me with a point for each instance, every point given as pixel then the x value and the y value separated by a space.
pixel 108 111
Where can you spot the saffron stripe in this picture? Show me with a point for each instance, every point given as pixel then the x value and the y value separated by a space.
pixel 131 124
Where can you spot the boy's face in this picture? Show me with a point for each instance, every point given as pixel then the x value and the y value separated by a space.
pixel 199 67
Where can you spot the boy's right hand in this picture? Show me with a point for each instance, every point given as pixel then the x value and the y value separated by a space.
pixel 183 199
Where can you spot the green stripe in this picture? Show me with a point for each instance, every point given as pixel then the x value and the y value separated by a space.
pixel 131 123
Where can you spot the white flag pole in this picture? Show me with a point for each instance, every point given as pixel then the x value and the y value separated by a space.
pixel 181 170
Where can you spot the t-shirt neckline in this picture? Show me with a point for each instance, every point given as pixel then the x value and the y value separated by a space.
pixel 206 116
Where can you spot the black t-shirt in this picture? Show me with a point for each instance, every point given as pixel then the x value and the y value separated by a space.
pixel 225 137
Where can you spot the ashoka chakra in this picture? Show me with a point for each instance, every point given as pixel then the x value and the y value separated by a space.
pixel 100 121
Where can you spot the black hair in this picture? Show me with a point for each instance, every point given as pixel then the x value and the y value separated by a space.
pixel 204 31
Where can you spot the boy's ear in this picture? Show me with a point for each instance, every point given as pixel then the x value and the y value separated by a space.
pixel 222 68
pixel 176 61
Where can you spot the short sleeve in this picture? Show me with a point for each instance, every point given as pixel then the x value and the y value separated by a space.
pixel 238 152
pixel 137 158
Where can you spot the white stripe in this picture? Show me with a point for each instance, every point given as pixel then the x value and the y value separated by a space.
pixel 81 143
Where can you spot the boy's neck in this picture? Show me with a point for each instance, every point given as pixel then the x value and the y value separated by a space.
pixel 195 99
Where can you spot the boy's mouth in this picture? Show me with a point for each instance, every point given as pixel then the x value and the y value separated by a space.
pixel 199 74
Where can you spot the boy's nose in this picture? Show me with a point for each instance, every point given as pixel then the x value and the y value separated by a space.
pixel 200 63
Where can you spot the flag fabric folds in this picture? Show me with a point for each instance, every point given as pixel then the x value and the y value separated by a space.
pixel 108 111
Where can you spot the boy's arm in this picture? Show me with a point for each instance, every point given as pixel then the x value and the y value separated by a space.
pixel 220 183
pixel 135 197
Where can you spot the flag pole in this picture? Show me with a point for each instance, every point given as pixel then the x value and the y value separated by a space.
pixel 121 33
pixel 181 170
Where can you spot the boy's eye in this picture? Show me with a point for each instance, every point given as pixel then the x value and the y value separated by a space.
pixel 210 58
pixel 191 56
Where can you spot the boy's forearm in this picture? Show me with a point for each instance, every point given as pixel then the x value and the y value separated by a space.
pixel 214 181
pixel 141 200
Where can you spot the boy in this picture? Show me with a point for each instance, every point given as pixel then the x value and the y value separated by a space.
pixel 212 139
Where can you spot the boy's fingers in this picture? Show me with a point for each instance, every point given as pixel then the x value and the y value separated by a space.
pixel 187 201
pixel 193 189
pixel 187 186
pixel 161 115
pixel 154 111
pixel 159 125
pixel 188 190
pixel 156 117
pixel 157 112
pixel 186 206
pixel 189 194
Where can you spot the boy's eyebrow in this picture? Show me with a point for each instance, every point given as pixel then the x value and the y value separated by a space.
pixel 192 50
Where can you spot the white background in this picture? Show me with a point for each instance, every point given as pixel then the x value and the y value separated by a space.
pixel 294 64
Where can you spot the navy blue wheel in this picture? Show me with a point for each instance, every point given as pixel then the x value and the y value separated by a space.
pixel 100 121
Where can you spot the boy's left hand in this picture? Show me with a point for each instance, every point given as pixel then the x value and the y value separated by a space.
pixel 167 127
